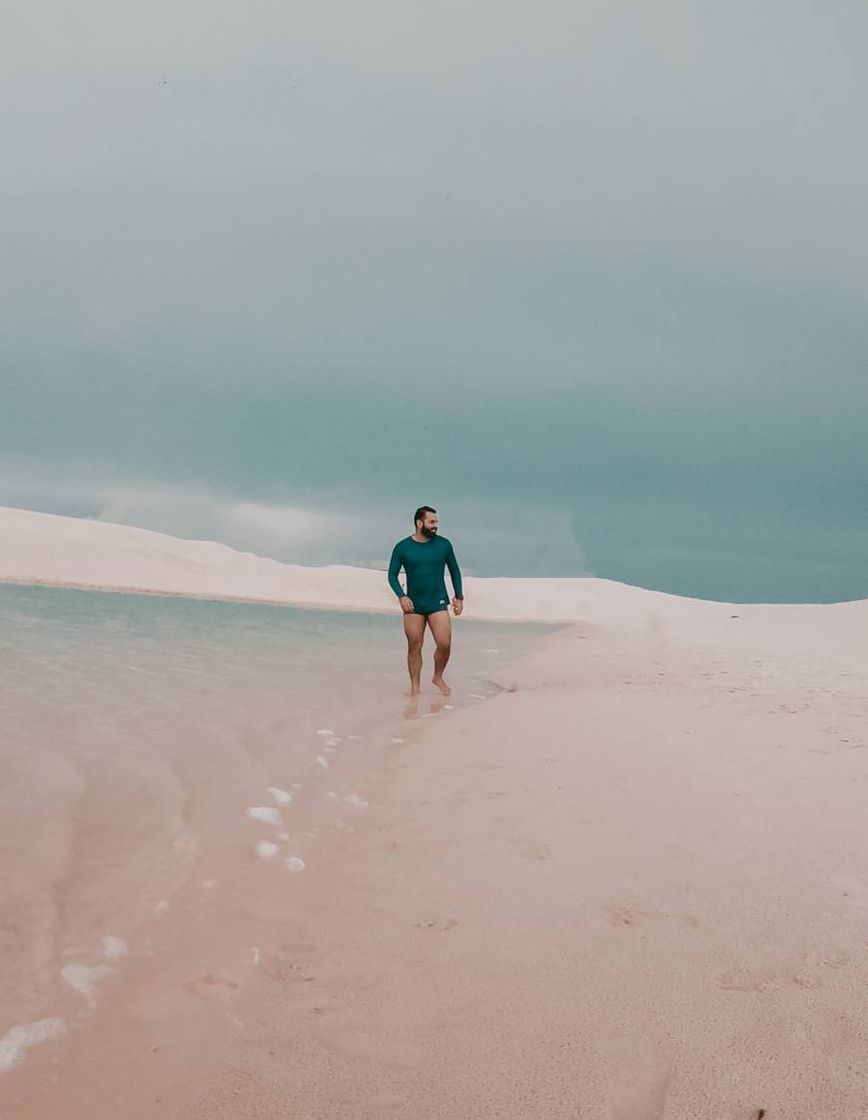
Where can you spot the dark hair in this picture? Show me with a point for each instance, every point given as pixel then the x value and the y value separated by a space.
pixel 419 515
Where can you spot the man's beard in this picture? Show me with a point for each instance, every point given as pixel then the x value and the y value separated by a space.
pixel 429 533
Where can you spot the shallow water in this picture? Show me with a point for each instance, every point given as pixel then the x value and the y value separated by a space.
pixel 137 732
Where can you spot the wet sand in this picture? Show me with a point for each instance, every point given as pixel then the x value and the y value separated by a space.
pixel 171 771
pixel 630 886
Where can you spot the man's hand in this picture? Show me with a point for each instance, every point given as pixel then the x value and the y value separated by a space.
pixel 457 606
pixel 406 604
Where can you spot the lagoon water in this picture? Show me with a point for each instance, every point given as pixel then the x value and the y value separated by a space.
pixel 157 751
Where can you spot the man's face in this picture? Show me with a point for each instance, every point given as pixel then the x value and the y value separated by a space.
pixel 429 525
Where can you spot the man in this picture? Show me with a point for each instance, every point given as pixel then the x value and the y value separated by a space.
pixel 424 557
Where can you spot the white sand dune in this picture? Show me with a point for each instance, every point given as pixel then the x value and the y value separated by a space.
pixel 41 548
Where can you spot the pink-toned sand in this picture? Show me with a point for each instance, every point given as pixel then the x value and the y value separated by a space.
pixel 631 887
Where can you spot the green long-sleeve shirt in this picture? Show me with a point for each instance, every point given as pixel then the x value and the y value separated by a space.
pixel 425 565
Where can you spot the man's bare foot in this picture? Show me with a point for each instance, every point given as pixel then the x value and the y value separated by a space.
pixel 438 682
pixel 414 691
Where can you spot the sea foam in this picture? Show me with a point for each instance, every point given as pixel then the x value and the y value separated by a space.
pixel 265 813
pixel 266 850
pixel 84 979
pixel 18 1040
pixel 114 948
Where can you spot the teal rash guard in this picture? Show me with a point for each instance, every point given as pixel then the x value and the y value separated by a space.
pixel 424 565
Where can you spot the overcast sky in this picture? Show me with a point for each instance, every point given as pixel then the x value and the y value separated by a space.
pixel 591 278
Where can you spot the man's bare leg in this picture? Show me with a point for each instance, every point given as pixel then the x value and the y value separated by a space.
pixel 441 628
pixel 414 628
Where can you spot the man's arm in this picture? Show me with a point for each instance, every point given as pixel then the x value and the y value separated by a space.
pixel 394 567
pixel 454 572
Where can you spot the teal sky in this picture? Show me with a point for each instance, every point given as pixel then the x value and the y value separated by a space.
pixel 591 278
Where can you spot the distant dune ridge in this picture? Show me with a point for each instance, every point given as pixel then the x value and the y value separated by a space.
pixel 42 548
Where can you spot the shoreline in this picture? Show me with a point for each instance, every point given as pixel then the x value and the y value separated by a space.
pixel 839 630
pixel 612 889
pixel 145 1004
pixel 206 597
pixel 302 604
pixel 49 550
pixel 299 605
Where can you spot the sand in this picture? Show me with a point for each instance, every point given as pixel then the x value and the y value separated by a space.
pixel 47 549
pixel 630 887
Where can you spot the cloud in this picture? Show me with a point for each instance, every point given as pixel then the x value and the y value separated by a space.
pixel 285 532
pixel 518 261
pixel 496 538
pixel 311 174
pixel 289 533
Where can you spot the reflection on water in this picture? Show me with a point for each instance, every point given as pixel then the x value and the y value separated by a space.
pixel 418 707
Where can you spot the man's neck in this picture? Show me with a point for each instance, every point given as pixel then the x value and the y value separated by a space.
pixel 419 539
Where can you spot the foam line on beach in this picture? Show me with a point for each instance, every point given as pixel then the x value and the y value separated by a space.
pixel 266 849
pixel 114 948
pixel 266 814
pixel 19 1039
pixel 85 979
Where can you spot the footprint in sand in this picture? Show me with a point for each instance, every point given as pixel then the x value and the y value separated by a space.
pixel 436 924
pixel 530 849
pixel 618 914
pixel 806 972
pixel 212 985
